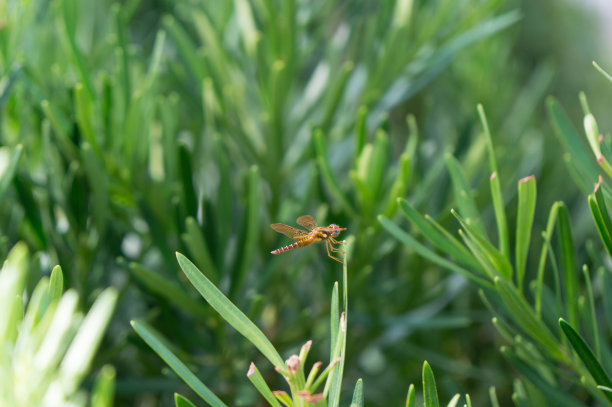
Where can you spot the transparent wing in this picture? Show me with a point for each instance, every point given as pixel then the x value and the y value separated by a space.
pixel 307 221
pixel 290 231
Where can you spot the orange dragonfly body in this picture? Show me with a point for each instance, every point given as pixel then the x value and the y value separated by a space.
pixel 314 234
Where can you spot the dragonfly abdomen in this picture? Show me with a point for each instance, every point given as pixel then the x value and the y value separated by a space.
pixel 300 243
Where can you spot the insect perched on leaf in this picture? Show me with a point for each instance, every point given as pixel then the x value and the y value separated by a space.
pixel 306 238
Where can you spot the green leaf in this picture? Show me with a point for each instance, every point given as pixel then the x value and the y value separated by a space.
pixel 182 401
pixel 56 284
pixel 104 388
pixel 589 314
pixel 358 394
pixel 9 167
pixel 524 223
pixel 410 398
pixel 551 391
pixel 485 251
pixel 334 319
pixel 586 355
pixel 433 232
pixel 525 317
pixel 544 253
pixel 493 397
pixel 580 156
pixel 495 186
pixel 430 393
pixel 568 264
pixel 430 255
pixel 158 343
pixel 79 356
pixel 229 311
pixel 335 378
pixel 463 195
pixel 260 384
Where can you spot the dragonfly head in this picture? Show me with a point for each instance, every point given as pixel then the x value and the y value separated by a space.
pixel 335 229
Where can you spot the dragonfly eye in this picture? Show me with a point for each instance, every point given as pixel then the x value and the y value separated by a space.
pixel 335 232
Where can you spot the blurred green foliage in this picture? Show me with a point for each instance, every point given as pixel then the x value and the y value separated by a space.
pixel 135 129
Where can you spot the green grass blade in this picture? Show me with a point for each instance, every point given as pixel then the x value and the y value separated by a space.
pixel 182 401
pixel 260 384
pixel 572 141
pixel 590 316
pixel 437 236
pixel 411 397
pixel 482 249
pixel 8 171
pixel 340 352
pixel 495 186
pixel 602 71
pixel 104 388
pixel 586 355
pixel 158 343
pixel 229 311
pixel 56 284
pixel 334 319
pixel 568 265
pixel 526 318
pixel 430 393
pixel 430 255
pixel 80 354
pixel 551 391
pixel 524 222
pixel 600 223
pixel 357 400
pixel 463 194
pixel 547 235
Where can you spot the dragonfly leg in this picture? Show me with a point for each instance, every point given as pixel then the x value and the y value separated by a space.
pixel 336 241
pixel 328 245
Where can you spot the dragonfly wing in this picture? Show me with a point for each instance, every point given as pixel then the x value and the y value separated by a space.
pixel 307 221
pixel 290 231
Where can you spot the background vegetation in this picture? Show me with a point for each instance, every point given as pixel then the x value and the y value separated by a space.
pixel 133 130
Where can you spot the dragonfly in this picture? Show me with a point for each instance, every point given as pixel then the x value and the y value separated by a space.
pixel 314 234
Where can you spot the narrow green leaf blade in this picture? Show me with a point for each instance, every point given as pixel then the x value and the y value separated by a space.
pixel 260 384
pixel 229 311
pixel 158 343
pixel 568 265
pixel 524 223
pixel 463 194
pixel 586 355
pixel 182 401
pixel 411 397
pixel 358 394
pixel 525 317
pixel 430 255
pixel 104 389
pixel 430 393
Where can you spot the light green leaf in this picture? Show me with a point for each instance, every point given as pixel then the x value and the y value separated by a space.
pixel 260 384
pixel 524 223
pixel 229 311
pixel 358 394
pixel 104 388
pixel 182 401
pixel 586 355
pixel 410 398
pixel 157 342
pixel 430 393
